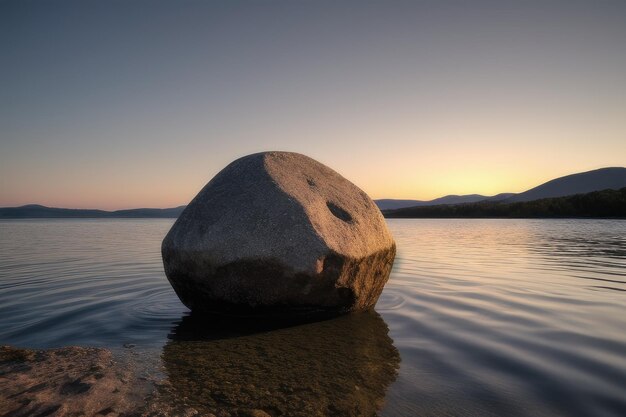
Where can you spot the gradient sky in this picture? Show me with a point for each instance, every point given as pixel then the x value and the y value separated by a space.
pixel 120 104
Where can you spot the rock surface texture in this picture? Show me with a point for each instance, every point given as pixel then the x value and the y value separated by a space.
pixel 69 381
pixel 279 232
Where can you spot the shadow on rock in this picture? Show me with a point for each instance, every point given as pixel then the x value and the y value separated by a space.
pixel 340 366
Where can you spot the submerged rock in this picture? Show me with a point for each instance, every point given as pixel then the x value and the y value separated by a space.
pixel 276 232
pixel 338 367
pixel 69 381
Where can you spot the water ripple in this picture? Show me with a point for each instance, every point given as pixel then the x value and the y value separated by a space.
pixel 84 282
pixel 508 317
pixel 491 317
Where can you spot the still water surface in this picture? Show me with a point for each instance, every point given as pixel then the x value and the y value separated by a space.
pixel 480 317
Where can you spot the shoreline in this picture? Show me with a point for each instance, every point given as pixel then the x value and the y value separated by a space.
pixel 337 367
pixel 75 380
pixel 340 367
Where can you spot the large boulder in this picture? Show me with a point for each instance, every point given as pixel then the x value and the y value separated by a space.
pixel 279 232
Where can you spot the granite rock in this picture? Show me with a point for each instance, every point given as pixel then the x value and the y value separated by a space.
pixel 278 232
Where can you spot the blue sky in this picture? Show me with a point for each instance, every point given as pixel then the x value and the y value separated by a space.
pixel 114 104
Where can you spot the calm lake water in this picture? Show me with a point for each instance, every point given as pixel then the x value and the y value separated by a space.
pixel 480 318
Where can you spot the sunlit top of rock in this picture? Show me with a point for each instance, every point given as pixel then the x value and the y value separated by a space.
pixel 281 204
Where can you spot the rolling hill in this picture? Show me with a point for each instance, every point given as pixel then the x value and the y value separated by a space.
pixel 600 179
pixel 35 211
pixel 391 204
pixel 584 182
pixel 596 204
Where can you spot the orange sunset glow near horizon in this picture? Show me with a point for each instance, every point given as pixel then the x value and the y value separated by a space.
pixel 118 105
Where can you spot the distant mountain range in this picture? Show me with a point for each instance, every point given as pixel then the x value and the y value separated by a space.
pixel 35 211
pixel 390 204
pixel 585 182
pixel 605 204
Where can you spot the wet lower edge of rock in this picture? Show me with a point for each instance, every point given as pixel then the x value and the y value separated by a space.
pixel 266 288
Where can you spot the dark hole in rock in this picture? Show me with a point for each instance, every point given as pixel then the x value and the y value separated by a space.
pixel 310 182
pixel 338 212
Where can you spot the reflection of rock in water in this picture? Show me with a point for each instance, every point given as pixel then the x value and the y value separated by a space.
pixel 335 367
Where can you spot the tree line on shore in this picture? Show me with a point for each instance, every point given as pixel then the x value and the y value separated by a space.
pixel 597 204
